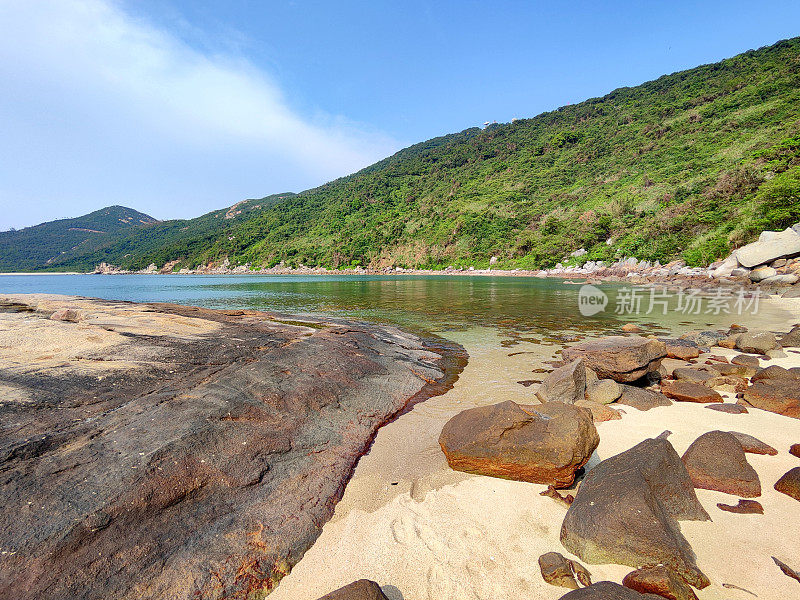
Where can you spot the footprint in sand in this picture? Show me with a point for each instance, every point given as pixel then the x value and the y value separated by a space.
pixel 403 530
pixel 430 539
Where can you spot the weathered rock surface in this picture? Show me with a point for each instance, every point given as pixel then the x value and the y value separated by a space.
pixel 565 384
pixel 659 580
pixel 642 399
pixel 727 407
pixel 545 443
pixel 791 339
pixel 716 461
pixel 789 483
pixel 562 572
pixel 600 412
pixel 162 451
pixel 752 444
pixel 756 342
pixel 780 396
pixel 603 391
pixel 794 450
pixel 746 360
pixel 608 590
pixel 681 349
pixel 363 589
pixel 687 391
pixel 620 358
pixel 769 247
pixel 744 507
pixel 626 512
pixel 733 369
pixel 775 372
pixel 693 374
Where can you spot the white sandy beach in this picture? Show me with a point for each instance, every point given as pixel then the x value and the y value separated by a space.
pixel 423 531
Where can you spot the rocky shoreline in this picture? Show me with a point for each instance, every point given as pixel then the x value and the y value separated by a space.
pixel 165 451
pixel 772 263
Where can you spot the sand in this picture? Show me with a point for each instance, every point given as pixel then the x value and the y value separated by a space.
pixel 424 531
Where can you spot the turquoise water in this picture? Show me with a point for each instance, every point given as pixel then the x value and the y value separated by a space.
pixel 432 303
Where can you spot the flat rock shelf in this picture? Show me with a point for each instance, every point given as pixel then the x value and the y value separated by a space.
pixel 166 451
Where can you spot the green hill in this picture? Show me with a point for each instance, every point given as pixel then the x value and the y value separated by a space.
pixel 689 165
pixel 51 243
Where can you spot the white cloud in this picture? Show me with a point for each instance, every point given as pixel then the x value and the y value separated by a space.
pixel 98 107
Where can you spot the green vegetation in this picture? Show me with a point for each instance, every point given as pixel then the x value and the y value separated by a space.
pixel 687 166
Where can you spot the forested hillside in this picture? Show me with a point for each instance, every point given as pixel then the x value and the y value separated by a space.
pixel 689 165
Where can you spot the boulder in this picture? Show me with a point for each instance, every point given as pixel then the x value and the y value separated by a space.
pixel 603 391
pixel 69 315
pixel 727 383
pixel 731 369
pixel 744 507
pixel 659 580
pixel 705 337
pixel 774 372
pixel 545 443
pixel 565 384
pixel 562 572
pixel 620 358
pixel 725 269
pixel 751 444
pixel 746 360
pixel 600 412
pixel 768 248
pixel 686 391
pixel 792 292
pixel 693 374
pixel 716 461
pixel 791 339
pixel 794 450
pixel 681 349
pixel 780 279
pixel 642 399
pixel 781 396
pixel 626 511
pixel 632 328
pixel 762 273
pixel 727 407
pixel 789 484
pixel 363 589
pixel 607 590
pixel 756 342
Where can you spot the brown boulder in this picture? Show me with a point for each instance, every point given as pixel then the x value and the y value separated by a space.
pixel 626 511
pixel 780 396
pixel 685 391
pixel 70 315
pixel 746 360
pixel 363 589
pixel 716 461
pixel 751 444
pixel 607 590
pixel 620 358
pixel 562 572
pixel 642 399
pixel 794 450
pixel 693 374
pixel 681 349
pixel 789 484
pixel 774 372
pixel 600 412
pixel 659 580
pixel 791 339
pixel 603 391
pixel 756 342
pixel 745 507
pixel 727 407
pixel 545 443
pixel 565 384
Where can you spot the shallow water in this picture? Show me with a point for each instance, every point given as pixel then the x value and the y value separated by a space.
pixel 513 305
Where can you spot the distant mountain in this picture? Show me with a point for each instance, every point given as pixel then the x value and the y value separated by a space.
pixel 47 244
pixel 689 166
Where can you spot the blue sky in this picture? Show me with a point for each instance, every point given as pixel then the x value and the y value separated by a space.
pixel 177 108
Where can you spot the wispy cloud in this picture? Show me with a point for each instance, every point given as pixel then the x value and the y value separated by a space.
pixel 99 107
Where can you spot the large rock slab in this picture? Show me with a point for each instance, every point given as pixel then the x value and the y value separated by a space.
pixel 716 461
pixel 626 512
pixel 545 443
pixel 768 248
pixel 564 384
pixel 781 396
pixel 623 359
pixel 160 451
pixel 608 590
pixel 687 391
pixel 363 589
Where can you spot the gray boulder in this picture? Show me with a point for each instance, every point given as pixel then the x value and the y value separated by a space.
pixel 627 508
pixel 756 342
pixel 770 245
pixel 565 384
pixel 603 391
pixel 762 273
